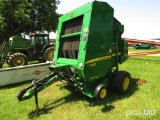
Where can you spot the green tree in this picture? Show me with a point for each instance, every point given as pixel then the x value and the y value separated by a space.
pixel 26 16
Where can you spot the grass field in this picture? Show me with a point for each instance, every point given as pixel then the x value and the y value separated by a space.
pixel 131 49
pixel 60 102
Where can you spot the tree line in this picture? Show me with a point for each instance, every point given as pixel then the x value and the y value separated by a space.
pixel 27 16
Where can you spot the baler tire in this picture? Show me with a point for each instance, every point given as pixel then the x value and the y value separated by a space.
pixel 48 54
pixel 100 92
pixel 121 82
pixel 17 59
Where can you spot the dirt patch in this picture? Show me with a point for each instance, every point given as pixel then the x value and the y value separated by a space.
pixel 140 82
pixel 154 53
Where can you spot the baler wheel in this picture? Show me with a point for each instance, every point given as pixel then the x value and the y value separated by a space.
pixel 17 59
pixel 100 92
pixel 48 54
pixel 121 82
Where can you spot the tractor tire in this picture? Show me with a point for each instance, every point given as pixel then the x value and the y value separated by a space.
pixel 48 54
pixel 17 59
pixel 100 92
pixel 121 82
pixel 6 59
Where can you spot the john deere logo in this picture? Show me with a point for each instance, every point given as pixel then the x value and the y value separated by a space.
pixel 72 14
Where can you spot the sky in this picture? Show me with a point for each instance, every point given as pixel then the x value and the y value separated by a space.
pixel 141 18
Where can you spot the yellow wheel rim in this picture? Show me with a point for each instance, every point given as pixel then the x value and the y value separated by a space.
pixel 50 55
pixel 103 93
pixel 125 83
pixel 18 61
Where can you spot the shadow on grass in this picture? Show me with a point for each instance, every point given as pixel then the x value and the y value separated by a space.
pixel 112 97
pixel 77 96
pixel 49 105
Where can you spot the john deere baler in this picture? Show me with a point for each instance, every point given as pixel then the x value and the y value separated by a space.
pixel 88 50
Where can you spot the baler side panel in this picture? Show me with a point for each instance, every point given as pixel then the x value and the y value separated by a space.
pixel 100 37
pixel 122 45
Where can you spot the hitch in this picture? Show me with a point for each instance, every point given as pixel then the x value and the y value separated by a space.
pixel 39 84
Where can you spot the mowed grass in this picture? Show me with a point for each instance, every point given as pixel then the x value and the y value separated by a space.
pixel 132 49
pixel 61 102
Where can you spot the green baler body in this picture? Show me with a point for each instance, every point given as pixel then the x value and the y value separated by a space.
pixel 86 40
pixel 88 47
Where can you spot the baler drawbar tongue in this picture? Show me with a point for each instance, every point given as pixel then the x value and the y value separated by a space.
pixel 40 83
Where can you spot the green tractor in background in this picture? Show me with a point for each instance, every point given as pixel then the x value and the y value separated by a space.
pixel 143 46
pixel 19 51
